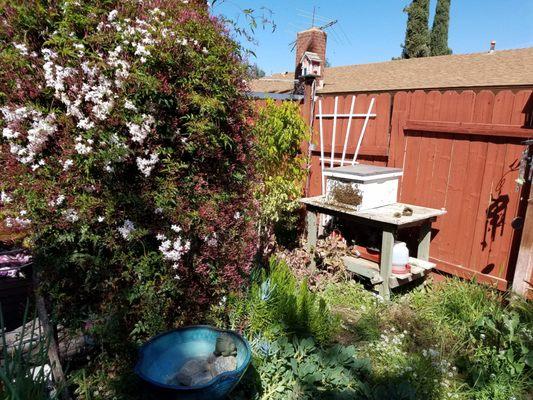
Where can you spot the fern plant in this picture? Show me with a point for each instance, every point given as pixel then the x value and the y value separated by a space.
pixel 278 304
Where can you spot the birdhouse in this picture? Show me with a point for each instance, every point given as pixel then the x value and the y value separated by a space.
pixel 311 64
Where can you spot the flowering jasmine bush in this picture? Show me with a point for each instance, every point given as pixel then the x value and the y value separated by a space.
pixel 126 152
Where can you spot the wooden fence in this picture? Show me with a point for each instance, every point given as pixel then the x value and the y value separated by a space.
pixel 459 151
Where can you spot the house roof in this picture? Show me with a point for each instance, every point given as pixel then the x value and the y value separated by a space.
pixel 311 56
pixel 502 68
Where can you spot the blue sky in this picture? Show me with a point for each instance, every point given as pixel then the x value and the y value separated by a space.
pixel 373 30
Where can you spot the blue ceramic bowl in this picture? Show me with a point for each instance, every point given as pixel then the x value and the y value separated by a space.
pixel 163 355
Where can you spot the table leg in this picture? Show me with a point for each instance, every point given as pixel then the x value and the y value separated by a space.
pixel 424 241
pixel 385 267
pixel 312 234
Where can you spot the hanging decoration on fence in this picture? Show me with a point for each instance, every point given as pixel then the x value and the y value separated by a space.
pixel 335 116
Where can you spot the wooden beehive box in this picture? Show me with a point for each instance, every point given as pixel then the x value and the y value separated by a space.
pixel 362 187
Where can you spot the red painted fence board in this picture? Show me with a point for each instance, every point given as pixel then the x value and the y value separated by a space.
pixel 469 172
pixel 459 151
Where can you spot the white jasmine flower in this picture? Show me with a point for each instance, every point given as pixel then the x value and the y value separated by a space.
pixel 100 218
pixel 85 123
pixel 126 229
pixel 71 215
pixel 67 164
pixel 205 51
pixel 5 198
pixel 59 200
pixel 10 133
pixel 161 237
pixel 82 148
pixel 112 15
pixel 140 132
pixel 165 245
pixel 21 47
pixel 176 228
pixel 146 165
pixel 128 105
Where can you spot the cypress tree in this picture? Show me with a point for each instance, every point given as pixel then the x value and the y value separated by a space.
pixel 439 32
pixel 417 35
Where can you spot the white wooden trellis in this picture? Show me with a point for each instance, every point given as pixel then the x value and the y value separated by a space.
pixel 335 115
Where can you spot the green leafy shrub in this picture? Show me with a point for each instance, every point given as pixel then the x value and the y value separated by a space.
pixel 280 132
pixel 298 369
pixel 278 305
pixel 118 119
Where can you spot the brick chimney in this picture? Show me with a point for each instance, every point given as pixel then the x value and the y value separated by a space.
pixel 311 40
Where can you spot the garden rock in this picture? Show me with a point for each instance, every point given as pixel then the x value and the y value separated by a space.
pixel 224 364
pixel 200 370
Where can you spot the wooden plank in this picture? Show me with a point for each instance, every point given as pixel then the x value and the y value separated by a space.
pixel 321 127
pixel 455 192
pixel 355 115
pixel 365 268
pixel 483 108
pixel 312 234
pixel 363 130
pixel 468 273
pixel 503 204
pixel 424 241
pixel 428 145
pixel 522 282
pixel 441 168
pixel 334 129
pixel 382 124
pixel 482 129
pixel 412 151
pixel 369 150
pixel 385 265
pixel 384 214
pixel 347 134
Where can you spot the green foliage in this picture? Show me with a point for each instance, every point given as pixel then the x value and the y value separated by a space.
pixel 417 37
pixel 439 31
pixel 452 339
pixel 298 369
pixel 18 380
pixel 279 131
pixel 457 304
pixel 507 343
pixel 136 108
pixel 278 305
pixel 493 337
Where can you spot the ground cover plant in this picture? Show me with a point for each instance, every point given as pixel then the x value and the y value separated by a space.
pixel 452 339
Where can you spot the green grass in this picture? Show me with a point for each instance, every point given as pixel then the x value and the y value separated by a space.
pixel 452 339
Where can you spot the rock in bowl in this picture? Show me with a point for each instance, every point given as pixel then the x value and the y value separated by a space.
pixel 163 356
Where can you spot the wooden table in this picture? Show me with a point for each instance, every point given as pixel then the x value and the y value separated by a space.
pixel 383 218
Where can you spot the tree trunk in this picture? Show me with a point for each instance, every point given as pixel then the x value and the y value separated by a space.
pixel 53 350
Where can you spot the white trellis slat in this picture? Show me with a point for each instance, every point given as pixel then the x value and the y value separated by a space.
pixel 335 116
pixel 370 107
pixel 321 146
pixel 334 131
pixel 348 131
pixel 355 115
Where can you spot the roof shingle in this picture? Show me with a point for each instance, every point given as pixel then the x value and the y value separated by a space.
pixel 502 68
